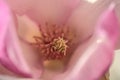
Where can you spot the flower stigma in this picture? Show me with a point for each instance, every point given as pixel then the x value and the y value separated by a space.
pixel 59 45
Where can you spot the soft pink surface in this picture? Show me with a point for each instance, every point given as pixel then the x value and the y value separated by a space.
pixel 10 50
pixel 98 55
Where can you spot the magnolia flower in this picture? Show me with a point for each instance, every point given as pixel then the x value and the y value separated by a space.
pixel 36 34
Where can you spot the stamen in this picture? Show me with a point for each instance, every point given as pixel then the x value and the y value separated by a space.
pixel 53 42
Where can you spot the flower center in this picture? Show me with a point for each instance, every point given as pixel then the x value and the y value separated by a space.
pixel 54 42
pixel 59 45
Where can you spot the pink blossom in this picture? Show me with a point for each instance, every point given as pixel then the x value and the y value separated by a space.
pixel 88 57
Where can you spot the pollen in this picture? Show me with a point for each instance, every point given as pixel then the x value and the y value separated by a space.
pixel 54 41
pixel 59 45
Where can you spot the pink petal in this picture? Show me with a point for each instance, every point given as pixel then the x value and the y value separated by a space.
pixel 118 14
pixel 10 50
pixel 85 16
pixel 20 6
pixel 26 30
pixel 54 11
pixel 97 52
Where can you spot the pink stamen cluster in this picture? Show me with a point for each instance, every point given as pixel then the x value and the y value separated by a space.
pixel 54 41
